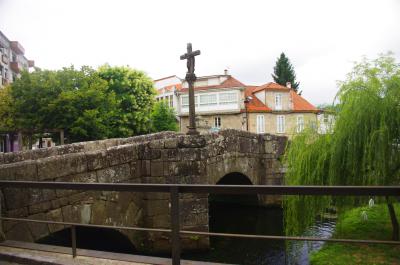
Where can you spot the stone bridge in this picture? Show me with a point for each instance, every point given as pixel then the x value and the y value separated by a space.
pixel 166 157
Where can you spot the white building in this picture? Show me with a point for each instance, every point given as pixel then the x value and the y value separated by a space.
pixel 167 89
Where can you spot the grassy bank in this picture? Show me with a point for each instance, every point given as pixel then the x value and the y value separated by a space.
pixel 352 225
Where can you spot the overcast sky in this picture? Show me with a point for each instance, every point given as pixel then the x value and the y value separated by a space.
pixel 321 38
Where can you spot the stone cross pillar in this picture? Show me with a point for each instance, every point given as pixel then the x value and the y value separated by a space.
pixel 191 78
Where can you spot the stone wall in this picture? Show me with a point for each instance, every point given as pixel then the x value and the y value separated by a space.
pixel 158 158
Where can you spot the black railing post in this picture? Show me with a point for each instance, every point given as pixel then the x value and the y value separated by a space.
pixel 175 240
pixel 73 239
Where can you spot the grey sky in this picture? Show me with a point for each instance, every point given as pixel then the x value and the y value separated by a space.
pixel 321 38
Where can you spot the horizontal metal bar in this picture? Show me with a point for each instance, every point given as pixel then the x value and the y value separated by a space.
pixel 216 189
pixel 292 238
pixel 86 225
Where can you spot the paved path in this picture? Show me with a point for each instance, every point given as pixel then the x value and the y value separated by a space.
pixel 26 256
pixel 17 253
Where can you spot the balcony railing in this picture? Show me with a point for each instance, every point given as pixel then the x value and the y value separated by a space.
pixel 175 189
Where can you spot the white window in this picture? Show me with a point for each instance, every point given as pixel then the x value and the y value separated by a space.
pixel 208 99
pixel 171 101
pixel 217 122
pixel 300 123
pixel 228 98
pixel 278 101
pixel 185 101
pixel 326 118
pixel 280 124
pixel 260 124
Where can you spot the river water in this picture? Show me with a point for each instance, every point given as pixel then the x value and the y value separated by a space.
pixel 233 218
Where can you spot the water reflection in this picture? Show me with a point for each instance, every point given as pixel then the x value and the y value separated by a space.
pixel 234 218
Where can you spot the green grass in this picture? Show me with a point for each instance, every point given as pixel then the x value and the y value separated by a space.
pixel 352 225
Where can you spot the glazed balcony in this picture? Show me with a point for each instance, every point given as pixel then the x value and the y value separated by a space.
pixel 16 67
pixel 17 47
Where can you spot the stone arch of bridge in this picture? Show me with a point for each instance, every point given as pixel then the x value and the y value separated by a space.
pixel 102 239
pixel 97 208
pixel 250 167
pixel 234 178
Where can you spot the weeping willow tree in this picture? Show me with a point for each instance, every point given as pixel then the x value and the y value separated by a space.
pixel 363 147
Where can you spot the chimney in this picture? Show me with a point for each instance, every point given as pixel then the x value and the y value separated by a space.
pixel 226 72
pixel 288 85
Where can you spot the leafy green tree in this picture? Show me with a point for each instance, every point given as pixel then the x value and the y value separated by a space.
pixel 134 93
pixel 6 110
pixel 363 149
pixel 75 100
pixel 284 72
pixel 163 117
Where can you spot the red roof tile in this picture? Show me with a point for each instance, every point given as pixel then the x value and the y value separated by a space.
pixel 169 88
pixel 255 105
pixel 272 86
pixel 300 104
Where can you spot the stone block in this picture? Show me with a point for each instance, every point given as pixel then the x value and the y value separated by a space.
pixel 145 168
pixel 49 194
pixel 170 155
pixel 39 207
pixel 81 197
pixel 71 213
pixel 146 153
pixel 190 154
pixel 157 207
pixel 244 145
pixel 56 216
pixel 159 221
pixel 114 174
pixel 60 202
pixel 99 213
pixel 156 144
pixel 157 169
pixel 121 154
pixel 20 232
pixel 185 168
pixel 70 148
pixel 191 141
pixel 136 170
pixel 171 143
pixel 38 230
pixel 14 157
pixel 59 166
pixel 97 159
pixel 21 212
pixel 86 177
pixel 25 170
pixel 19 198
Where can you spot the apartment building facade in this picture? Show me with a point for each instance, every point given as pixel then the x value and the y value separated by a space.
pixel 12 63
pixel 12 60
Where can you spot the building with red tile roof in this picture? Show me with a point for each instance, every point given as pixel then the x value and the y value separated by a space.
pixel 222 101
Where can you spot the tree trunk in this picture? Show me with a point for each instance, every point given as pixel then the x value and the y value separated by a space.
pixel 393 219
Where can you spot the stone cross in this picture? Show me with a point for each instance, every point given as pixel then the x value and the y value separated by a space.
pixel 190 78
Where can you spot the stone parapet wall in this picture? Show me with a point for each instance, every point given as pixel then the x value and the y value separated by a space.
pixel 158 158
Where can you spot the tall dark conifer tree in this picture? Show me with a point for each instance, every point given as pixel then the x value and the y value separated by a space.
pixel 284 72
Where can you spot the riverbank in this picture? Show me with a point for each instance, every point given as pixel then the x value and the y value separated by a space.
pixel 356 225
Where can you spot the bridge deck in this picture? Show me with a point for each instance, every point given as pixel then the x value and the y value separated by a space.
pixel 16 253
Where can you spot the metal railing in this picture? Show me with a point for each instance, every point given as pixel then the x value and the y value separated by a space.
pixel 175 189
